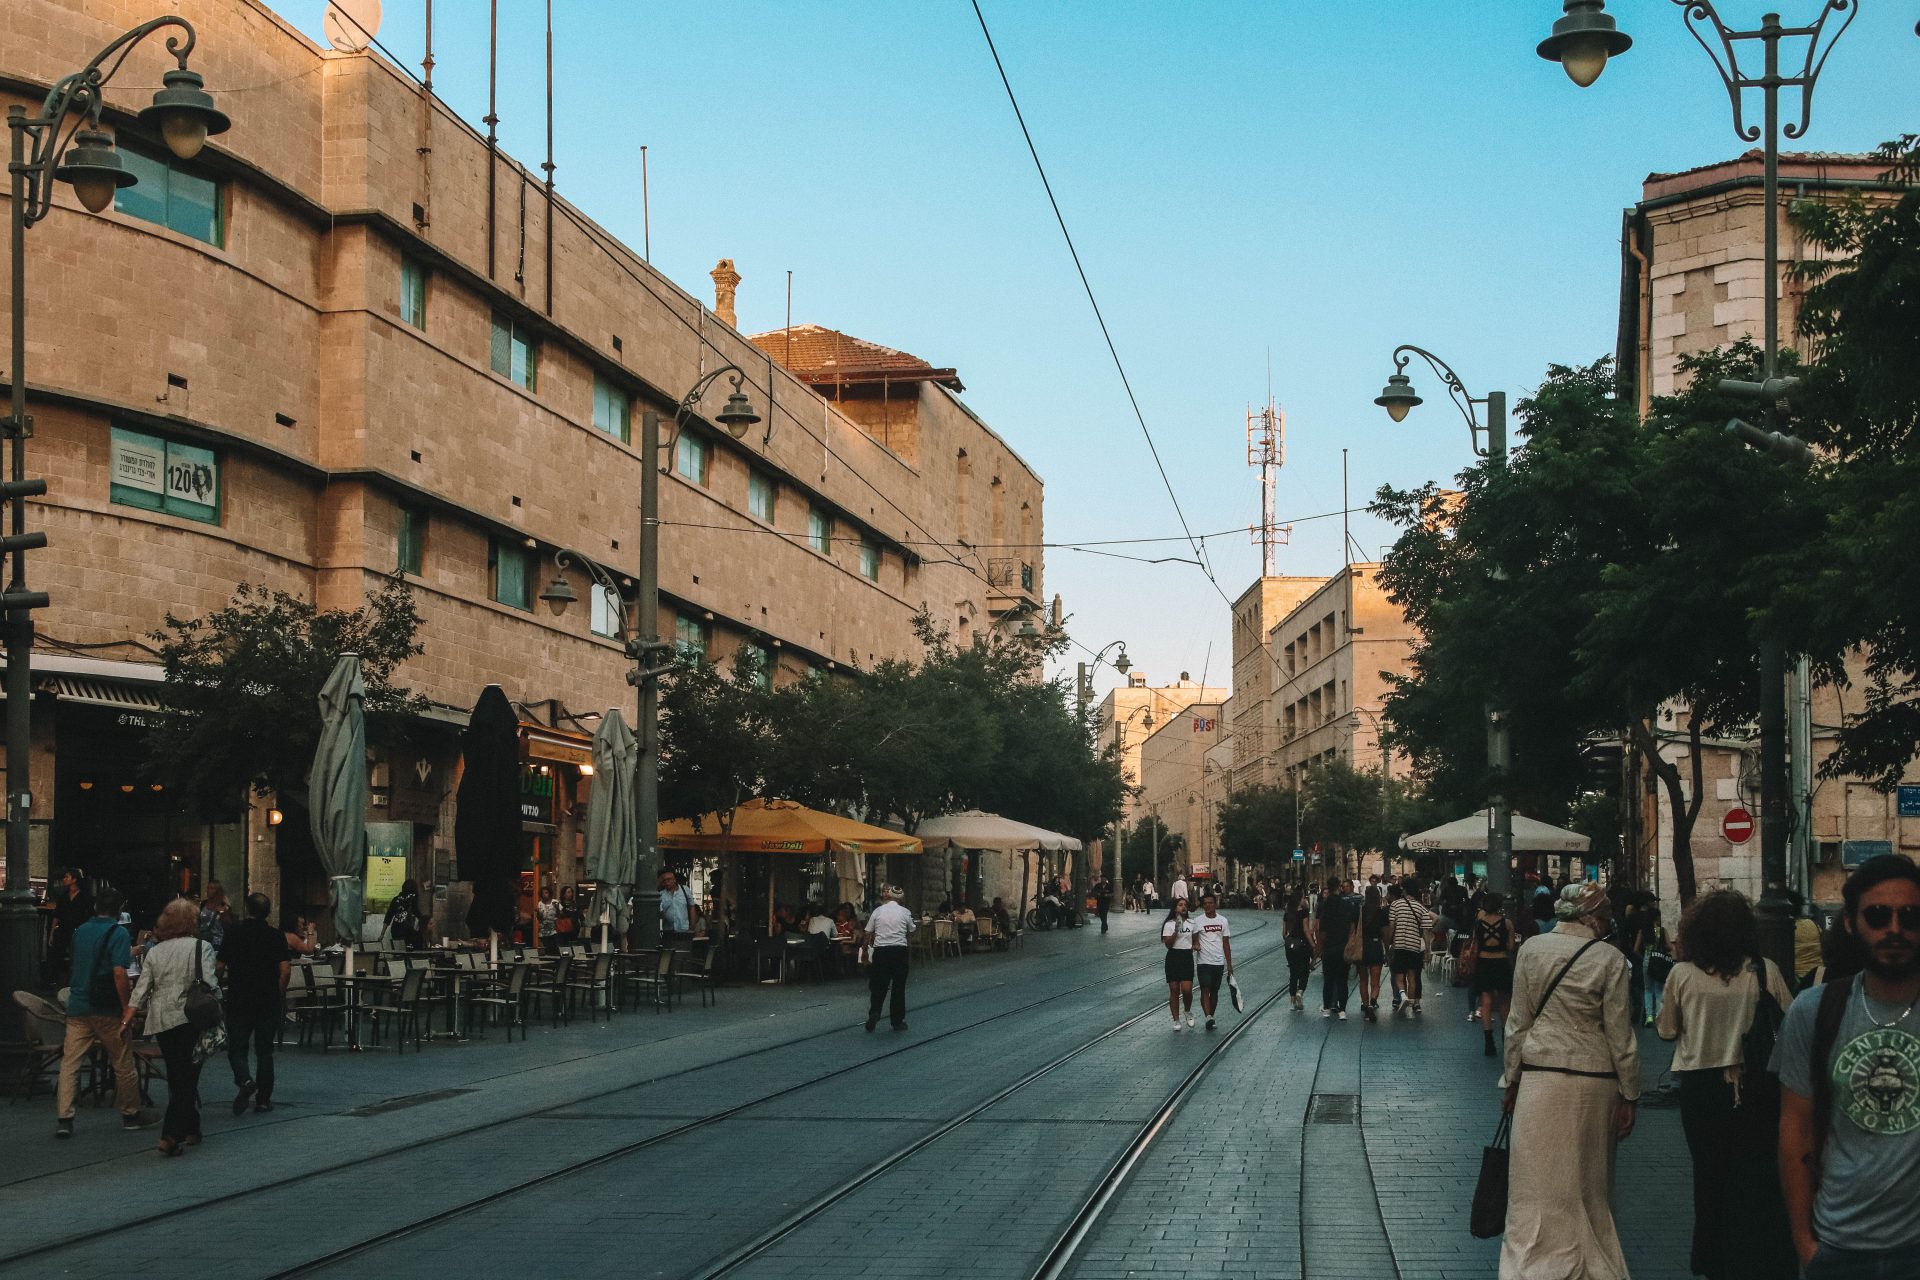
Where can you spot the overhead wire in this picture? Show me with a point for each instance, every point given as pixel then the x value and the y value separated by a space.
pixel 1199 549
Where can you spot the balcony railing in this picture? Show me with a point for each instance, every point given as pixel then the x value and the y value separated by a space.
pixel 1010 573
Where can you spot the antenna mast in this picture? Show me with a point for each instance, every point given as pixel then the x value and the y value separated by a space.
pixel 1267 451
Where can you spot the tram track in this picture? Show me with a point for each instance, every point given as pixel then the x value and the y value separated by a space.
pixel 51 1249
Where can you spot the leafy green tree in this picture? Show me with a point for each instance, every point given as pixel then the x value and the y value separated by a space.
pixel 239 708
pixel 1257 827
pixel 717 730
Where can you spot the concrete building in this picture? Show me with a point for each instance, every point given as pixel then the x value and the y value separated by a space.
pixel 1173 774
pixel 370 343
pixel 1692 279
pixel 1334 650
pixel 1259 608
pixel 1131 712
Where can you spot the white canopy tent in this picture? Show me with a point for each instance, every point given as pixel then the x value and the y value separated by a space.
pixel 975 829
pixel 1469 835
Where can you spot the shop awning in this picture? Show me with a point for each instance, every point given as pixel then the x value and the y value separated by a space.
pixel 1469 835
pixel 781 826
pixel 975 829
pixel 87 691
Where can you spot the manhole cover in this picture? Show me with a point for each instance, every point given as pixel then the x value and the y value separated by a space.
pixel 1334 1108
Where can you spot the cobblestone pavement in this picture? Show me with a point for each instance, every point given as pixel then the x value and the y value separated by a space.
pixel 1386 1121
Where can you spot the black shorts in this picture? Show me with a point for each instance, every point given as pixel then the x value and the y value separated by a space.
pixel 1374 953
pixel 1495 976
pixel 1179 966
pixel 1407 961
pixel 1211 976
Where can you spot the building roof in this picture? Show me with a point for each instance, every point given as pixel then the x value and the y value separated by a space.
pixel 1812 166
pixel 821 356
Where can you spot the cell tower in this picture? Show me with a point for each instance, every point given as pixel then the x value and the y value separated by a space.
pixel 1267 450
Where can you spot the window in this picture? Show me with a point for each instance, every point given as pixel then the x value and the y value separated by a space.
pixel 515 352
pixel 870 559
pixel 607 610
pixel 413 293
pixel 411 540
pixel 762 663
pixel 512 572
pixel 760 496
pixel 171 197
pixel 691 638
pixel 610 409
pixel 820 530
pixel 690 457
pixel 164 475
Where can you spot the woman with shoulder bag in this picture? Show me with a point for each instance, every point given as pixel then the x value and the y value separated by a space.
pixel 1572 1086
pixel 1729 1108
pixel 172 976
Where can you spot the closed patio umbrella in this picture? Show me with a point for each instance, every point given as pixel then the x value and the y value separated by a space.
pixel 613 852
pixel 486 825
pixel 337 793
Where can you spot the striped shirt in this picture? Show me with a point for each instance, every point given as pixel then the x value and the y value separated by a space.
pixel 1408 925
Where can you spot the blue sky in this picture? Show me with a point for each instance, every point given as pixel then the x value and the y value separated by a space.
pixel 1315 181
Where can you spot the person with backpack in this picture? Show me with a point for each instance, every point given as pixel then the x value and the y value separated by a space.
pixel 1492 947
pixel 404 920
pixel 1723 1008
pixel 1848 1060
pixel 1409 925
pixel 1572 1085
pixel 96 999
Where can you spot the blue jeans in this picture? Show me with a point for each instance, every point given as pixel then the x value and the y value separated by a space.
pixel 1846 1264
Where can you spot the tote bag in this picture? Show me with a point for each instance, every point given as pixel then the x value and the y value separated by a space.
pixel 1489 1214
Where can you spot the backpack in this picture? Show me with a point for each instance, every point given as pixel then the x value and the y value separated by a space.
pixel 1756 1046
pixel 1826 1030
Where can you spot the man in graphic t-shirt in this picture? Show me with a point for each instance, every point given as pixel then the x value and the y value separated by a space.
pixel 1853 1202
pixel 1214 953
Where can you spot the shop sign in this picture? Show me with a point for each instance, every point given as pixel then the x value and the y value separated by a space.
pixel 163 475
pixel 1909 801
pixel 536 794
pixel 1855 852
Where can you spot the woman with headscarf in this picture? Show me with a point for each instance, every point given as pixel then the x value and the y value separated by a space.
pixel 1572 1082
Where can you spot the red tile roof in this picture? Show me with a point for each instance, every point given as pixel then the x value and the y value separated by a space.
pixel 823 356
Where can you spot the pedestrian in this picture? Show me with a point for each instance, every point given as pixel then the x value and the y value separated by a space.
pixel 1373 949
pixel 405 921
pixel 216 914
pixel 1731 1119
pixel 1572 1084
pixel 1493 945
pixel 1177 934
pixel 175 961
pixel 72 906
pixel 1179 890
pixel 1848 1061
pixel 1102 900
pixel 1213 961
pixel 887 931
pixel 1148 897
pixel 1338 923
pixel 1409 925
pixel 96 1001
pixel 677 910
pixel 258 963
pixel 1296 929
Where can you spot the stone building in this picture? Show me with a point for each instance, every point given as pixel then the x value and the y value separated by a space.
pixel 1692 279
pixel 1129 715
pixel 1333 652
pixel 369 343
pixel 1251 729
pixel 1173 776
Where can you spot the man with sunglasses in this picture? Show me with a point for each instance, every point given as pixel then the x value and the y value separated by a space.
pixel 1848 1058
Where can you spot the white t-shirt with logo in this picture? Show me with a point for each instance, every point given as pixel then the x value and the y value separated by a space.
pixel 1213 934
pixel 1181 929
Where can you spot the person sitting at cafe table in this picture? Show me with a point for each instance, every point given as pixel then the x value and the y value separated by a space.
pixel 966 925
pixel 1001 920
pixel 819 922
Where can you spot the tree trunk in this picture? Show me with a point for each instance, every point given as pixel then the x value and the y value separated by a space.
pixel 1684 811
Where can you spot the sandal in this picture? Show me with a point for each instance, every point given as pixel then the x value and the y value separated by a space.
pixel 168 1147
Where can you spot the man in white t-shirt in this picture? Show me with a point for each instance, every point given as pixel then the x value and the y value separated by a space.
pixel 1213 953
pixel 1146 895
pixel 1179 889
pixel 886 934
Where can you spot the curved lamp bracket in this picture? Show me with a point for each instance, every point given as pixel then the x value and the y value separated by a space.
pixel 684 410
pixel 1456 389
pixel 1703 19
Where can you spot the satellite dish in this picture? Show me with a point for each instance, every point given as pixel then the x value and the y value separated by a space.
pixel 351 25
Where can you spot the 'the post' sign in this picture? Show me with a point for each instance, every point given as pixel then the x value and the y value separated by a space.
pixel 1737 826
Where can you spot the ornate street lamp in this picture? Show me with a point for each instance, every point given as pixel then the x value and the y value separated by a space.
pixel 641 641
pixel 49 148
pixel 1583 40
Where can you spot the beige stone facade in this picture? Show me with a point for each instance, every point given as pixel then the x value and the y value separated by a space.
pixel 1173 777
pixel 1255 676
pixel 1123 716
pixel 379 367
pixel 1334 651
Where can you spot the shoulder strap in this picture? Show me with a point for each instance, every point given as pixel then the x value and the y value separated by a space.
pixel 1555 984
pixel 1826 1030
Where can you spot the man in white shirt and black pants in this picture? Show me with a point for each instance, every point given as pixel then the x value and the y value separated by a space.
pixel 886 937
pixel 1214 953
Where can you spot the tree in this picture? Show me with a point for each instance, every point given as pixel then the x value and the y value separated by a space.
pixel 239 708
pixel 717 731
pixel 1257 826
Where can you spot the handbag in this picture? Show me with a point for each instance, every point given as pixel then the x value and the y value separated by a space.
pixel 1355 950
pixel 1468 962
pixel 1488 1217
pixel 202 1003
pixel 1757 1083
pixel 209 1042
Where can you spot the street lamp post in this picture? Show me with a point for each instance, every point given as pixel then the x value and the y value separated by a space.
pixel 1397 397
pixel 642 642
pixel 1584 58
pixel 45 148
pixel 1083 694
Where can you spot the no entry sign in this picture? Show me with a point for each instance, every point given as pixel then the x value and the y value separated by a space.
pixel 1737 826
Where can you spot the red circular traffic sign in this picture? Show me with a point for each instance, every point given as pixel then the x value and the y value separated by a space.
pixel 1737 826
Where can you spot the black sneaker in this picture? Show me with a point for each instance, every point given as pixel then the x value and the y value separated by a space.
pixel 138 1120
pixel 899 1026
pixel 872 1023
pixel 245 1096
pixel 265 1104
pixel 1209 1024
pixel 63 1128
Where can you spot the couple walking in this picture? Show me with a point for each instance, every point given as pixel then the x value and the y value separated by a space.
pixel 1197 946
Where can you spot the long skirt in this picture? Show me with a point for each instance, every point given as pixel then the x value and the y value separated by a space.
pixel 1560 1208
pixel 1739 1218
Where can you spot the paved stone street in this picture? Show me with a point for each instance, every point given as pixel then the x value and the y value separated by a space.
pixel 769 1135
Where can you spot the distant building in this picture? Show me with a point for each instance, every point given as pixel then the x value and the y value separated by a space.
pixel 1335 650
pixel 1173 773
pixel 1130 714
pixel 1255 613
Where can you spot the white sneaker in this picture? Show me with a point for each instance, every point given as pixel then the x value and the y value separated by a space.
pixel 1189 1019
pixel 1343 1015
pixel 1326 1013
pixel 1176 1025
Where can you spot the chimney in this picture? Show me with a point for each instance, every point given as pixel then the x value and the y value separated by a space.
pixel 725 281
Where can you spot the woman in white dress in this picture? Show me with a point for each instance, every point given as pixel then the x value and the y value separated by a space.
pixel 1572 1081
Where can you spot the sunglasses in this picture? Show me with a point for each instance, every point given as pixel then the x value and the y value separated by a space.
pixel 1879 917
